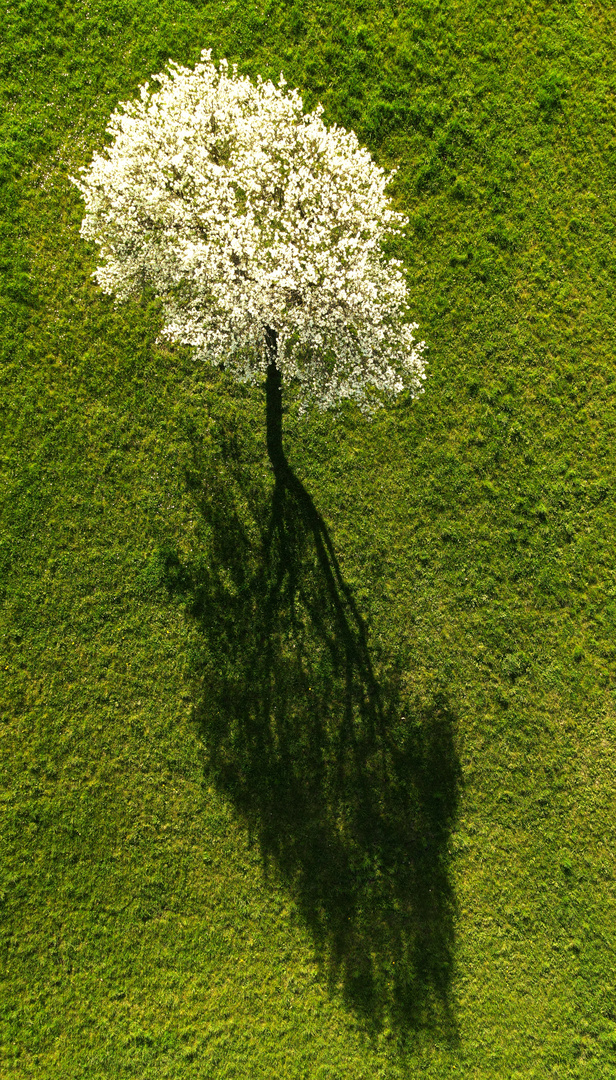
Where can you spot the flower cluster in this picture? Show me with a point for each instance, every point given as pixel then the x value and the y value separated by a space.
pixel 247 216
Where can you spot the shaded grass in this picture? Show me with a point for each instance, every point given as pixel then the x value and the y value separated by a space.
pixel 351 794
pixel 473 530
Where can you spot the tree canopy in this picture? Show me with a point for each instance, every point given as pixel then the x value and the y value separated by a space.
pixel 260 229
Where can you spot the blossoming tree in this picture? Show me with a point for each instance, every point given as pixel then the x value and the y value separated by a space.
pixel 261 231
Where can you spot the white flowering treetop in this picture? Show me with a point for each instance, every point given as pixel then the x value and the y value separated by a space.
pixel 261 231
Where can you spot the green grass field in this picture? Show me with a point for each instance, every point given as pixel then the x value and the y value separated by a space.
pixel 261 819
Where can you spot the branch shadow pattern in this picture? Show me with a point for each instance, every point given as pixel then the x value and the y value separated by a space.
pixel 351 795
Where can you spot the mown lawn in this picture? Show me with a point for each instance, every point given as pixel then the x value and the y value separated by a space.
pixel 340 804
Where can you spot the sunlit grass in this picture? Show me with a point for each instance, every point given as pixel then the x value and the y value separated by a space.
pixel 170 908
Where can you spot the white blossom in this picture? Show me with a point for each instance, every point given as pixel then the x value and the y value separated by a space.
pixel 242 212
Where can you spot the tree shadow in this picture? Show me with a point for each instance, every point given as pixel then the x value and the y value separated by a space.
pixel 351 794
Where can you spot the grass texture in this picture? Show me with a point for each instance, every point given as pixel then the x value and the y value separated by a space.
pixel 316 780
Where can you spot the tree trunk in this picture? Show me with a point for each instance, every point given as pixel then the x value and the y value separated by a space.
pixel 273 405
